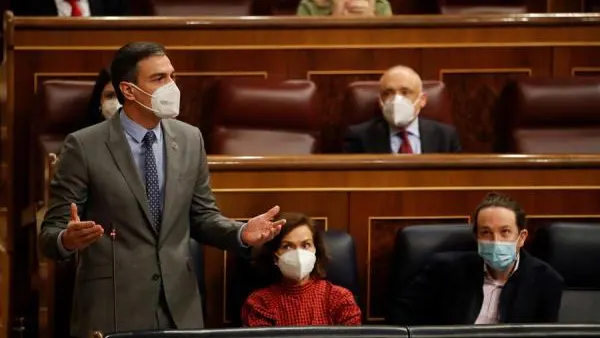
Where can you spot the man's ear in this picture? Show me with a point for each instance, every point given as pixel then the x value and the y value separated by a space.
pixel 522 238
pixel 127 91
pixel 423 100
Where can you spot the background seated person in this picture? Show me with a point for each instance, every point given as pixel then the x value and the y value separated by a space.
pixel 500 284
pixel 73 8
pixel 344 8
pixel 103 102
pixel 296 260
pixel 400 129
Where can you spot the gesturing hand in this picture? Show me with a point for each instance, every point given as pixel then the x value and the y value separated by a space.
pixel 78 234
pixel 261 229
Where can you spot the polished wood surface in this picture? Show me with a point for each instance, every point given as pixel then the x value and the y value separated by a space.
pixel 474 55
pixel 372 197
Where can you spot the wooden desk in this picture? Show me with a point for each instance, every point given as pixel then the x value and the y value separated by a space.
pixel 372 197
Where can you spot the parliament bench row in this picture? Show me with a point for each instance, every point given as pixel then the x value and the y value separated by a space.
pixel 262 117
pixel 568 247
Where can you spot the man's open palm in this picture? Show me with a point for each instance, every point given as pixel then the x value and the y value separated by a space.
pixel 261 229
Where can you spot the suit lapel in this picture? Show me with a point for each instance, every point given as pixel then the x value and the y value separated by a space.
pixel 121 153
pixel 378 138
pixel 173 159
pixel 428 136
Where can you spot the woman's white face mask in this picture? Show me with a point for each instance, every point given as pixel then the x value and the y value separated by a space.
pixel 297 264
pixel 109 108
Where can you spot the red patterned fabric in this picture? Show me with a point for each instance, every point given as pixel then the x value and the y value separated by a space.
pixel 317 302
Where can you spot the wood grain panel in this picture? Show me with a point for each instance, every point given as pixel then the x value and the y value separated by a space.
pixel 568 59
pixel 474 78
pixel 474 96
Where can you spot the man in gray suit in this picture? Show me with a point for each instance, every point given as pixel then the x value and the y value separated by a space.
pixel 140 181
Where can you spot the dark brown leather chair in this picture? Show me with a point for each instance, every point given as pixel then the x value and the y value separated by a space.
pixel 200 7
pixel 264 117
pixel 64 106
pixel 549 115
pixel 361 102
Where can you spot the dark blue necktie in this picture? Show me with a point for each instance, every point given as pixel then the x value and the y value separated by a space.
pixel 152 187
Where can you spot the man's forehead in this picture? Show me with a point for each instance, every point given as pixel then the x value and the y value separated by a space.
pixel 399 79
pixel 156 64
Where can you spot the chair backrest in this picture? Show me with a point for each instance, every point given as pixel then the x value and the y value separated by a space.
pixel 573 250
pixel 200 7
pixel 264 117
pixel 64 105
pixel 549 115
pixel 415 245
pixel 277 332
pixel 341 270
pixel 361 102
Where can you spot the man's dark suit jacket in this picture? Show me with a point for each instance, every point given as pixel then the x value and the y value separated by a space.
pixel 48 7
pixel 373 137
pixel 449 291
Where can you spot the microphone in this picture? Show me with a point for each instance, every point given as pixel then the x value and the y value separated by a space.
pixel 113 237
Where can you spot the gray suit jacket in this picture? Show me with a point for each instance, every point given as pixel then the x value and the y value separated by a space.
pixel 97 172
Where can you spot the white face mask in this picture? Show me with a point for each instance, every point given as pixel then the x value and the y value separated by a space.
pixel 109 108
pixel 165 100
pixel 297 264
pixel 399 111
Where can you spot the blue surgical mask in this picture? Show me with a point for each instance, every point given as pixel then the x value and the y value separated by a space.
pixel 497 254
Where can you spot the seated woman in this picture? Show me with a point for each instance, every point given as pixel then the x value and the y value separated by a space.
pixel 103 102
pixel 344 8
pixel 296 259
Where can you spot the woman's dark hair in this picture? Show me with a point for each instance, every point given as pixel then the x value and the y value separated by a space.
pixel 94 113
pixel 266 258
pixel 495 199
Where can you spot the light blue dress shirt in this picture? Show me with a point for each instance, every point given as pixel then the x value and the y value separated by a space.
pixel 414 137
pixel 134 133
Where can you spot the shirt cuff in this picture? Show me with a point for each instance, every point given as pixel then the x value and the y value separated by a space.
pixel 240 236
pixel 64 253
